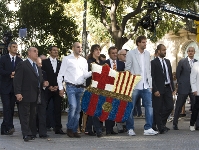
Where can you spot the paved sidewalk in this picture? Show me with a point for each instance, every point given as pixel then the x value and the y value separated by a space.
pixel 182 139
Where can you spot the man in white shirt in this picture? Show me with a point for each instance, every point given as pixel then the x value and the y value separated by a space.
pixel 138 63
pixel 74 69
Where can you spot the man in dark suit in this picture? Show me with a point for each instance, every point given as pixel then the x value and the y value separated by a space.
pixel 51 66
pixel 162 88
pixel 8 64
pixel 184 88
pixel 115 64
pixel 28 82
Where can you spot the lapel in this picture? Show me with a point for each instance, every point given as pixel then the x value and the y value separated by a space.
pixel 159 64
pixel 31 67
pixel 137 57
pixel 187 64
pixel 58 64
pixel 108 62
pixel 9 61
pixel 168 66
pixel 51 66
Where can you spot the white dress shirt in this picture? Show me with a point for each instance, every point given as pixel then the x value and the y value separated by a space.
pixel 143 84
pixel 111 62
pixel 191 61
pixel 74 70
pixel 54 63
pixel 167 72
pixel 12 56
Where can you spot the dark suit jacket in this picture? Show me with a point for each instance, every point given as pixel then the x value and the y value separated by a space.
pixel 120 64
pixel 158 79
pixel 26 81
pixel 5 72
pixel 51 76
pixel 183 71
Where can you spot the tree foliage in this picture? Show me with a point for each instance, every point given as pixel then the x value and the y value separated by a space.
pixel 121 18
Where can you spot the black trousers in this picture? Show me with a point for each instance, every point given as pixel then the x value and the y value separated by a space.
pixel 181 99
pixel 27 113
pixel 109 124
pixel 57 109
pixel 93 123
pixel 8 101
pixel 41 116
pixel 162 107
pixel 195 112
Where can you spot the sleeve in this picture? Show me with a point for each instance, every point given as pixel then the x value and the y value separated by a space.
pixel 129 62
pixel 3 72
pixel 178 70
pixel 18 78
pixel 61 73
pixel 153 76
pixel 193 77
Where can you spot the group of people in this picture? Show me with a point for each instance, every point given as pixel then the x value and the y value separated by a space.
pixel 36 82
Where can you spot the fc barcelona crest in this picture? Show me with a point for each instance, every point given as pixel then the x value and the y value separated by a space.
pixel 110 94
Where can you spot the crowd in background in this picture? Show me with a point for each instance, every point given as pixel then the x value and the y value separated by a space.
pixel 37 86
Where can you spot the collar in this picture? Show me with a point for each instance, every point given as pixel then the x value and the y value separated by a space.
pixel 190 59
pixel 72 54
pixel 139 51
pixel 111 60
pixel 52 59
pixel 30 60
pixel 161 59
pixel 12 56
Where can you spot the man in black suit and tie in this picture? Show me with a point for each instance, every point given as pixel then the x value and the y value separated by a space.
pixel 184 87
pixel 8 64
pixel 115 64
pixel 51 66
pixel 162 88
pixel 28 82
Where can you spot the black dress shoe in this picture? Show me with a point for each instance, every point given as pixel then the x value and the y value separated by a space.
pixel 76 135
pixel 120 131
pixel 162 131
pixel 6 133
pixel 26 138
pixel 44 136
pixel 59 131
pixel 166 128
pixel 197 128
pixel 32 137
pixel 100 134
pixel 91 134
pixel 110 133
pixel 175 127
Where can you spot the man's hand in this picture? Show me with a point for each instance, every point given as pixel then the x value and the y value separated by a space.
pixel 19 97
pixel 45 84
pixel 55 88
pixel 195 93
pixel 61 93
pixel 51 88
pixel 157 94
pixel 12 74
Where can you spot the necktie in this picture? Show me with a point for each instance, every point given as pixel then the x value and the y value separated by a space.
pixel 164 70
pixel 13 63
pixel 114 65
pixel 191 63
pixel 35 69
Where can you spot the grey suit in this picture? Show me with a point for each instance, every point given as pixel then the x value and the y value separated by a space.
pixel 184 88
pixel 26 82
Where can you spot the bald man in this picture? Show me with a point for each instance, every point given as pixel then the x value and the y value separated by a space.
pixel 28 82
pixel 122 55
pixel 74 69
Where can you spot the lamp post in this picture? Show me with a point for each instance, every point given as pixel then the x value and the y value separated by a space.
pixel 84 33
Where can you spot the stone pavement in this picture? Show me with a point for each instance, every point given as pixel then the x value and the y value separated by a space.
pixel 182 139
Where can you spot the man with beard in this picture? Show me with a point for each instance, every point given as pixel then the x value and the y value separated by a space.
pixel 162 85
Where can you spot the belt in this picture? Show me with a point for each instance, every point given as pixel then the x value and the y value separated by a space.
pixel 167 85
pixel 76 85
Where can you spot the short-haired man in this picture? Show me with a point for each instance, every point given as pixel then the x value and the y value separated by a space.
pixel 162 90
pixel 8 64
pixel 28 82
pixel 74 69
pixel 138 63
pixel 184 87
pixel 122 55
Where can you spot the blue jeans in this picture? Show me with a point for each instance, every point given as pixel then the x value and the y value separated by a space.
pixel 146 96
pixel 74 94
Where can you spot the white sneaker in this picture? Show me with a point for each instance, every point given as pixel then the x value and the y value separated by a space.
pixel 131 132
pixel 150 132
pixel 192 128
